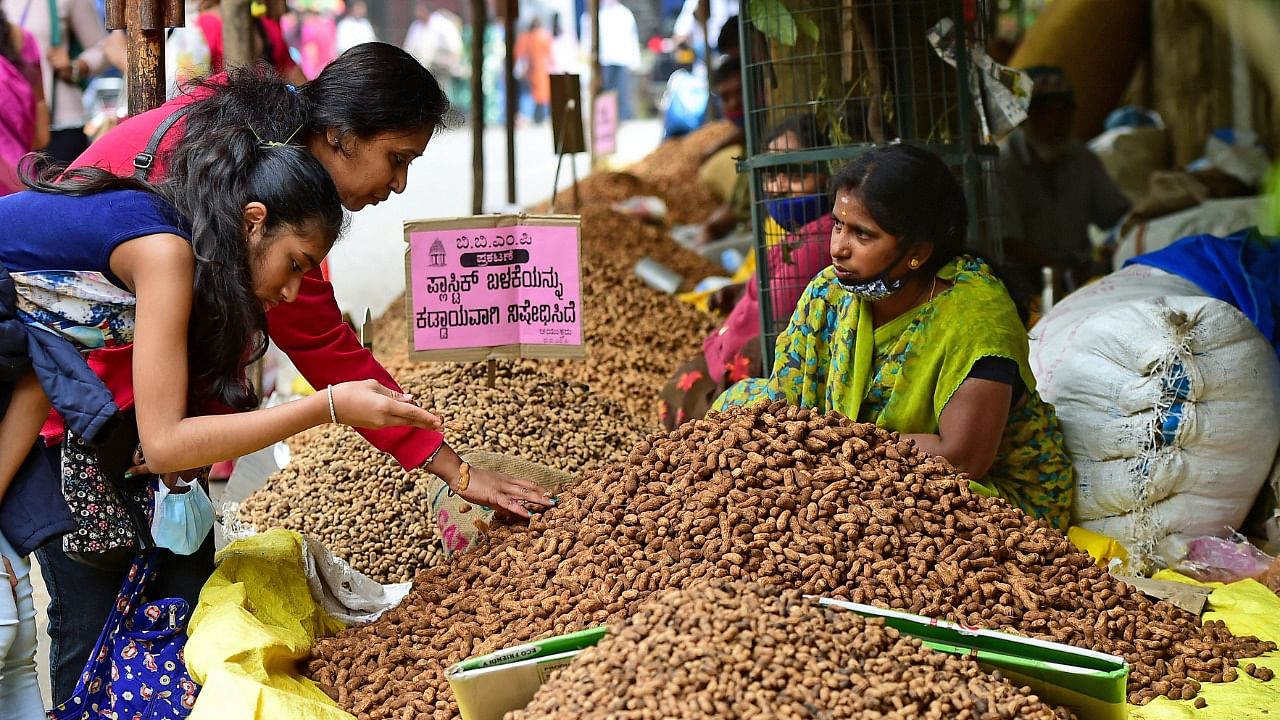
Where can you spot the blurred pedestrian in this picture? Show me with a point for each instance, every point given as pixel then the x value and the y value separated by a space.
pixel 269 46
pixel 354 27
pixel 564 48
pixel 319 42
pixel 619 51
pixel 59 26
pixel 24 115
pixel 1053 188
pixel 687 27
pixel 435 39
pixel 533 53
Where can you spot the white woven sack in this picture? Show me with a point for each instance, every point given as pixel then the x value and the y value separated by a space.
pixel 1168 404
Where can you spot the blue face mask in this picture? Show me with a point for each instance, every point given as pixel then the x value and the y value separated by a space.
pixel 878 287
pixel 182 520
pixel 793 213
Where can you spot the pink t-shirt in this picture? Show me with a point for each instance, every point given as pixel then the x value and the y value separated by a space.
pixel 17 111
pixel 210 23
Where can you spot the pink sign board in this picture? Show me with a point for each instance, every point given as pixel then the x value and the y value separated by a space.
pixel 515 286
pixel 605 128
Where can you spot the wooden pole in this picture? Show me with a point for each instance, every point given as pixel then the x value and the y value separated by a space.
pixel 237 33
pixel 145 58
pixel 597 81
pixel 479 19
pixel 144 23
pixel 512 95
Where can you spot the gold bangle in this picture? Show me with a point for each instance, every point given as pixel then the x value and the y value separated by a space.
pixel 464 477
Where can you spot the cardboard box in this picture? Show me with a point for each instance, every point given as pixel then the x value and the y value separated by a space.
pixel 489 686
pixel 1091 684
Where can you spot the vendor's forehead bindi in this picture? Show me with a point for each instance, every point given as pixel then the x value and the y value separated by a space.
pixel 844 207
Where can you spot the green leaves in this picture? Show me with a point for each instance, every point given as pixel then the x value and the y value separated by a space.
pixel 774 20
pixel 780 24
pixel 807 26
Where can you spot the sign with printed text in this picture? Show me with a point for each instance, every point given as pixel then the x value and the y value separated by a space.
pixel 604 129
pixel 494 286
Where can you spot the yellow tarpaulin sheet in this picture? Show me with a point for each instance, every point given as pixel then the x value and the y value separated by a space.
pixel 255 623
pixel 1248 608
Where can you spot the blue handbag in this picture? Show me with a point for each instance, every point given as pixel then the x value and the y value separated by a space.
pixel 137 670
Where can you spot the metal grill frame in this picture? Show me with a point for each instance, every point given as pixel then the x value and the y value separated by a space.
pixel 952 135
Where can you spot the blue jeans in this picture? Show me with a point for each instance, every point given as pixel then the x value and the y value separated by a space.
pixel 617 77
pixel 81 596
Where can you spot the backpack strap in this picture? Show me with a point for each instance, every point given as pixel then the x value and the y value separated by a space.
pixel 143 161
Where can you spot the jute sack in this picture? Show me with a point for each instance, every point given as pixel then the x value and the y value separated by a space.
pixel 461 523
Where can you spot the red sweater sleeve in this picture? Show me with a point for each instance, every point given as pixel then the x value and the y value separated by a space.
pixel 325 350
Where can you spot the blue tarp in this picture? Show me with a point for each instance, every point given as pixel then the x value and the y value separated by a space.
pixel 1242 269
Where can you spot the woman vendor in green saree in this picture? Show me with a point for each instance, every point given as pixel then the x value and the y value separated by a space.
pixel 907 331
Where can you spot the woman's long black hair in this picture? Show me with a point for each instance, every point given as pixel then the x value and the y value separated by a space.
pixel 370 89
pixel 211 178
pixel 913 195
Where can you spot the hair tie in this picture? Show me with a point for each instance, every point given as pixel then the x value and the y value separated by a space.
pixel 291 88
pixel 275 143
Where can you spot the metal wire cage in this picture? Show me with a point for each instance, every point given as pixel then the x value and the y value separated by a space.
pixel 826 80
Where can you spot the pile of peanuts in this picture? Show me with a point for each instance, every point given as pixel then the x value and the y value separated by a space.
pixel 632 334
pixel 670 172
pixel 672 169
pixel 781 496
pixel 374 514
pixel 737 649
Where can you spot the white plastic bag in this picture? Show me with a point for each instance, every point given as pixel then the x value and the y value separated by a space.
pixel 1169 405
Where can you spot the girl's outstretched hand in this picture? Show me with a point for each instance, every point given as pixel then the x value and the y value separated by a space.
pixel 368 404
pixel 509 496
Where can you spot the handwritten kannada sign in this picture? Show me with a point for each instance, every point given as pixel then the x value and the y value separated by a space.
pixel 516 285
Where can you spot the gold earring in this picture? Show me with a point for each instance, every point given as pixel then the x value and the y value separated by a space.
pixel 915 264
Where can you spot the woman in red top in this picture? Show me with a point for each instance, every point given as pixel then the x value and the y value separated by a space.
pixel 268 42
pixel 366 116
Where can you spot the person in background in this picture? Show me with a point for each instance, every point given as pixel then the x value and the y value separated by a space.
pixel 354 27
pixel 435 39
pixel 1052 189
pixel 619 52
pixel 909 331
pixel 533 52
pixel 719 170
pixel 24 114
pixel 797 208
pixel 319 44
pixel 61 28
pixel 688 27
pixel 564 48
pixel 268 42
